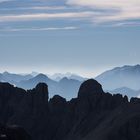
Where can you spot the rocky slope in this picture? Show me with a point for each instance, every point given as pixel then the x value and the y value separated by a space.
pixel 13 132
pixel 93 115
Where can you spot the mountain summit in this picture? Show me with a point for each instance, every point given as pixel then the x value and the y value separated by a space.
pixel 90 86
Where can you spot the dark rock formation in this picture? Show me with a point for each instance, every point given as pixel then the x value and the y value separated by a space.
pixel 13 133
pixel 90 87
pixel 92 115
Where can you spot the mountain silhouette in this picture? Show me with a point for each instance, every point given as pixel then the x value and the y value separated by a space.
pixel 124 80
pixel 65 87
pixel 93 114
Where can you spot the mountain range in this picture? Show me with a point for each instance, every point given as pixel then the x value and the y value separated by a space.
pixel 126 91
pixel 93 114
pixel 124 80
pixel 126 76
pixel 59 76
pixel 65 87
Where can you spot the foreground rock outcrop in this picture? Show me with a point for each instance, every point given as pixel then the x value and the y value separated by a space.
pixel 13 132
pixel 93 115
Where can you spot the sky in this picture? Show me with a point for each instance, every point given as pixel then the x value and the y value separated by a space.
pixel 78 36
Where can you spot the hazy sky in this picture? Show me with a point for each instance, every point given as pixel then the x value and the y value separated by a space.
pixel 79 36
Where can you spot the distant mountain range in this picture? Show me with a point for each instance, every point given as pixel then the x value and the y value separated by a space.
pixel 59 76
pixel 13 78
pixel 124 80
pixel 126 91
pixel 126 76
pixel 65 87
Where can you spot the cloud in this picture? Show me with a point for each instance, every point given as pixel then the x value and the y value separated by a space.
pixel 105 3
pixel 126 24
pixel 121 9
pixel 99 12
pixel 38 29
pixel 46 16
pixel 36 8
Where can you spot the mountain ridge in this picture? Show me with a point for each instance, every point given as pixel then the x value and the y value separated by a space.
pixel 65 87
pixel 125 76
pixel 112 80
pixel 126 91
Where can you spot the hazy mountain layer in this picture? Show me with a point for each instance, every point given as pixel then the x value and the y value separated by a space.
pixel 65 87
pixel 126 76
pixel 13 78
pixel 124 80
pixel 126 91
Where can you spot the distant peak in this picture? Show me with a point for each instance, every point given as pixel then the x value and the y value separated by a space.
pixel 90 86
pixel 137 66
pixel 64 79
pixel 41 76
pixel 34 73
pixel 6 72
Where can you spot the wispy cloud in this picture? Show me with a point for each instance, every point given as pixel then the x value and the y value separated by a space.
pixel 98 12
pixel 38 29
pixel 36 8
pixel 126 24
pixel 125 9
pixel 46 16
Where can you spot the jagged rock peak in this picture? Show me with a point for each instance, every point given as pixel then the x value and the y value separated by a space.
pixel 42 88
pixel 57 104
pixel 135 100
pixel 90 86
pixel 57 98
pixel 6 85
